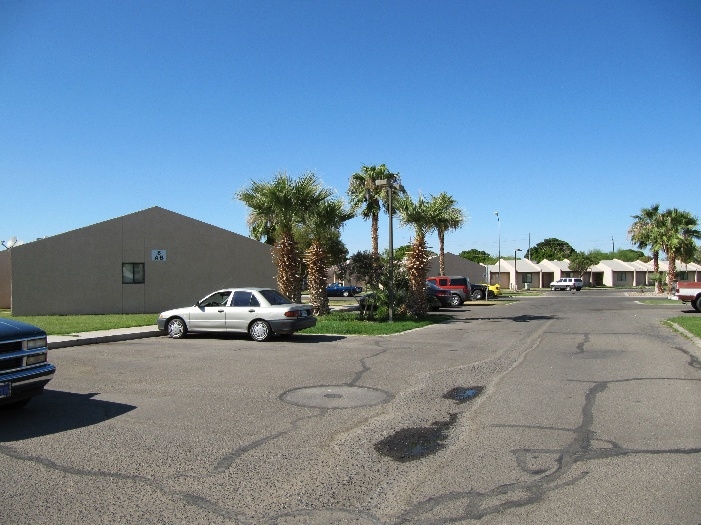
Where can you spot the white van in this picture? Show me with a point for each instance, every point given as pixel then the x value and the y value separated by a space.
pixel 567 283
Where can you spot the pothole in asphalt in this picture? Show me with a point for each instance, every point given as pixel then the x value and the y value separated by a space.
pixel 335 396
pixel 409 444
pixel 461 394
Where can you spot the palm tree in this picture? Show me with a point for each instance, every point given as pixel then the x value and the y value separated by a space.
pixel 445 216
pixel 366 197
pixel 323 224
pixel 417 215
pixel 646 232
pixel 276 207
pixel 679 230
pixel 260 227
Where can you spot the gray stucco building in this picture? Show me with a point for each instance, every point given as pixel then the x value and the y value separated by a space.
pixel 144 262
pixel 456 265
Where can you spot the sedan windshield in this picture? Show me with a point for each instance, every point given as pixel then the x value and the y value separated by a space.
pixel 274 297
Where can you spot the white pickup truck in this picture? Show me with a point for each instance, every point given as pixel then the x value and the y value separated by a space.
pixel 689 292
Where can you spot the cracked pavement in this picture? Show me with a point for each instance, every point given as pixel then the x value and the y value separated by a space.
pixel 589 413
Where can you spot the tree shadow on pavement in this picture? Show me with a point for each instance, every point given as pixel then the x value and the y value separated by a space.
pixel 517 319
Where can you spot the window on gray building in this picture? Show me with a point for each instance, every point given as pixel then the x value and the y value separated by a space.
pixel 132 273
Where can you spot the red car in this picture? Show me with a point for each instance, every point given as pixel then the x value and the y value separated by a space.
pixel 458 285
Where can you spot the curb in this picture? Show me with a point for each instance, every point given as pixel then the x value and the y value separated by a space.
pixel 688 334
pixel 90 338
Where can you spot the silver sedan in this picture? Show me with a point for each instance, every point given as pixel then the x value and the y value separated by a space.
pixel 259 311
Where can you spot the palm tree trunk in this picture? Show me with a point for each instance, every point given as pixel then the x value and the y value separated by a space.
pixel 287 262
pixel 315 257
pixel 671 273
pixel 374 234
pixel 417 267
pixel 656 269
pixel 441 252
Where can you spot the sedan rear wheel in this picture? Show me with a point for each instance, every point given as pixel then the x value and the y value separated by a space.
pixel 697 304
pixel 259 330
pixel 177 328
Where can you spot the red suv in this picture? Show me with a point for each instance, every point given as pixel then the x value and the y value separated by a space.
pixel 458 285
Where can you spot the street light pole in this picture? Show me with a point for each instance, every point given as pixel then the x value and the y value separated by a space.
pixel 499 248
pixel 391 253
pixel 515 270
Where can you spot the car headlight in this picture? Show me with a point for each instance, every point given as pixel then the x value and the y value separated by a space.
pixel 31 344
pixel 34 359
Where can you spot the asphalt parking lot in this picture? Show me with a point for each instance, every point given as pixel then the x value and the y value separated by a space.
pixel 567 408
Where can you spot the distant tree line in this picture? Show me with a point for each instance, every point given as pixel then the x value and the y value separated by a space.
pixel 673 232
pixel 555 250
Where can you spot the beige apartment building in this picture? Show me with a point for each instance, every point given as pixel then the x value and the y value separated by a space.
pixel 524 274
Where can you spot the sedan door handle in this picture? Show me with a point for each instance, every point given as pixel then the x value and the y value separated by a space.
pixel 252 310
pixel 221 311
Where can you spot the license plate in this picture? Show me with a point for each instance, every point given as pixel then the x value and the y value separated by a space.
pixel 303 313
pixel 5 389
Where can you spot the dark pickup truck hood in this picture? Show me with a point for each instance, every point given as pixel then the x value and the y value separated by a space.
pixel 11 329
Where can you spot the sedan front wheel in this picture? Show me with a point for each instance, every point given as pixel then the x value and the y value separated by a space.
pixel 455 300
pixel 177 328
pixel 259 330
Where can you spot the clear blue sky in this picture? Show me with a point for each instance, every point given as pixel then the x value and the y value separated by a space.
pixel 566 117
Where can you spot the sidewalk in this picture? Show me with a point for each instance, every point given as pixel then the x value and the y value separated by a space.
pixel 103 336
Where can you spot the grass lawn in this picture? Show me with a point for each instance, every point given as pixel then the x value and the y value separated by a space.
pixel 71 324
pixel 347 323
pixel 660 302
pixel 691 323
pixel 341 323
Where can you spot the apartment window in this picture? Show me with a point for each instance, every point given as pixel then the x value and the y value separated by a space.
pixel 526 278
pixel 132 273
pixel 621 277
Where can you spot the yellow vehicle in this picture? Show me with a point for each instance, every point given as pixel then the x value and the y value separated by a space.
pixel 480 290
